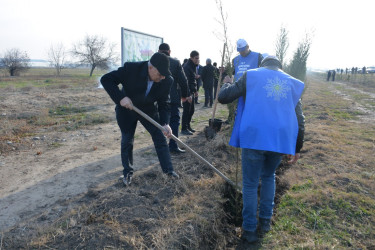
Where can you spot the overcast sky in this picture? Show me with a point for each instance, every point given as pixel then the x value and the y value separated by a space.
pixel 343 30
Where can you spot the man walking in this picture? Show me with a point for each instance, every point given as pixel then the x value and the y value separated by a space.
pixel 179 91
pixel 270 125
pixel 143 84
pixel 188 108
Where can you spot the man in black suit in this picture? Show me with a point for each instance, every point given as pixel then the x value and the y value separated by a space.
pixel 188 108
pixel 143 84
pixel 179 91
pixel 208 78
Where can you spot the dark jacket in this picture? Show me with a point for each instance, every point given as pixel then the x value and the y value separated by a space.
pixel 189 69
pixel 230 92
pixel 199 72
pixel 208 76
pixel 134 76
pixel 179 87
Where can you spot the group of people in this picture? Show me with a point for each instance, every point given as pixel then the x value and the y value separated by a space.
pixel 269 121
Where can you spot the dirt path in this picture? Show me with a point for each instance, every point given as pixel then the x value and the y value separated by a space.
pixel 59 166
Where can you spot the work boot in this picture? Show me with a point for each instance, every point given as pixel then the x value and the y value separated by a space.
pixel 249 236
pixel 264 225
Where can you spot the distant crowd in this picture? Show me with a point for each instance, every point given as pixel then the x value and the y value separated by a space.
pixel 353 71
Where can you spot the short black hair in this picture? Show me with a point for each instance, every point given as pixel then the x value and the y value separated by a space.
pixel 194 53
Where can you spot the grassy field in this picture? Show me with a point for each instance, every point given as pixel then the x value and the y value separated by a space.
pixel 325 201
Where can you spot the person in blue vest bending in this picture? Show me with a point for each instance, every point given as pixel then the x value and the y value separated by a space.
pixel 270 125
pixel 246 60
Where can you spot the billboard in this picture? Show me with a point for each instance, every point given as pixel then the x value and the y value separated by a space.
pixel 137 46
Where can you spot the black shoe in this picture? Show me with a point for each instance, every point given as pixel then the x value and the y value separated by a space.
pixel 173 174
pixel 191 130
pixel 249 236
pixel 128 179
pixel 186 132
pixel 176 150
pixel 264 225
pixel 197 103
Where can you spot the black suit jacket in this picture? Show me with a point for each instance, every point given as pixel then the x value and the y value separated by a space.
pixel 134 76
pixel 179 87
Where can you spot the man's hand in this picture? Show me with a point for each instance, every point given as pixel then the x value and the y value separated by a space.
pixel 126 103
pixel 196 94
pixel 167 131
pixel 293 158
pixel 228 79
pixel 197 76
pixel 186 99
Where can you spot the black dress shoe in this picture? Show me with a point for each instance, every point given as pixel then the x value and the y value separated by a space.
pixel 197 103
pixel 186 132
pixel 176 150
pixel 173 174
pixel 191 130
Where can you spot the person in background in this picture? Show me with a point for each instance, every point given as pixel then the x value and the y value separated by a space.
pixel 199 80
pixel 188 108
pixel 143 85
pixel 208 79
pixel 270 125
pixel 246 60
pixel 179 91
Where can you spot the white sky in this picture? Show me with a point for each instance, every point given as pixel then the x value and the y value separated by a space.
pixel 343 30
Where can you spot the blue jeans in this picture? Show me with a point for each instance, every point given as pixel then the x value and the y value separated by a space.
pixel 258 164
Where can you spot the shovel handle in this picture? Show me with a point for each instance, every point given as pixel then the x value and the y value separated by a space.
pixel 148 118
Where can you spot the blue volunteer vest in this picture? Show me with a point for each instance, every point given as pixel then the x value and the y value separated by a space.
pixel 268 120
pixel 242 64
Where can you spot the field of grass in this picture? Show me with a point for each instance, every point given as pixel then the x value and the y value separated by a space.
pixel 325 201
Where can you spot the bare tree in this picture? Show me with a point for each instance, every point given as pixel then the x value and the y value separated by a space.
pixel 95 51
pixel 15 61
pixel 297 66
pixel 224 37
pixel 282 45
pixel 56 57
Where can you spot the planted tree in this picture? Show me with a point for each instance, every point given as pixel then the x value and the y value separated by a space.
pixel 15 61
pixel 297 66
pixel 56 57
pixel 95 51
pixel 282 45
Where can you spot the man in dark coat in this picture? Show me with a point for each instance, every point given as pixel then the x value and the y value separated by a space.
pixel 143 85
pixel 199 80
pixel 179 91
pixel 188 108
pixel 208 78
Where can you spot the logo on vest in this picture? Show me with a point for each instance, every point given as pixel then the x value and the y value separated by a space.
pixel 277 88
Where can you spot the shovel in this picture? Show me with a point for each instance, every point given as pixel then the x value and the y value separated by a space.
pixel 180 143
pixel 215 125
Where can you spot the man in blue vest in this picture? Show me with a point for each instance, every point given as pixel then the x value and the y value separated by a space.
pixel 270 125
pixel 246 60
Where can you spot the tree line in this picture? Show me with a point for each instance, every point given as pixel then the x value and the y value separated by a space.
pixel 94 51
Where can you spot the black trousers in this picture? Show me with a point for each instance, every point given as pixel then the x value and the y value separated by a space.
pixel 187 114
pixel 208 95
pixel 127 121
pixel 174 123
